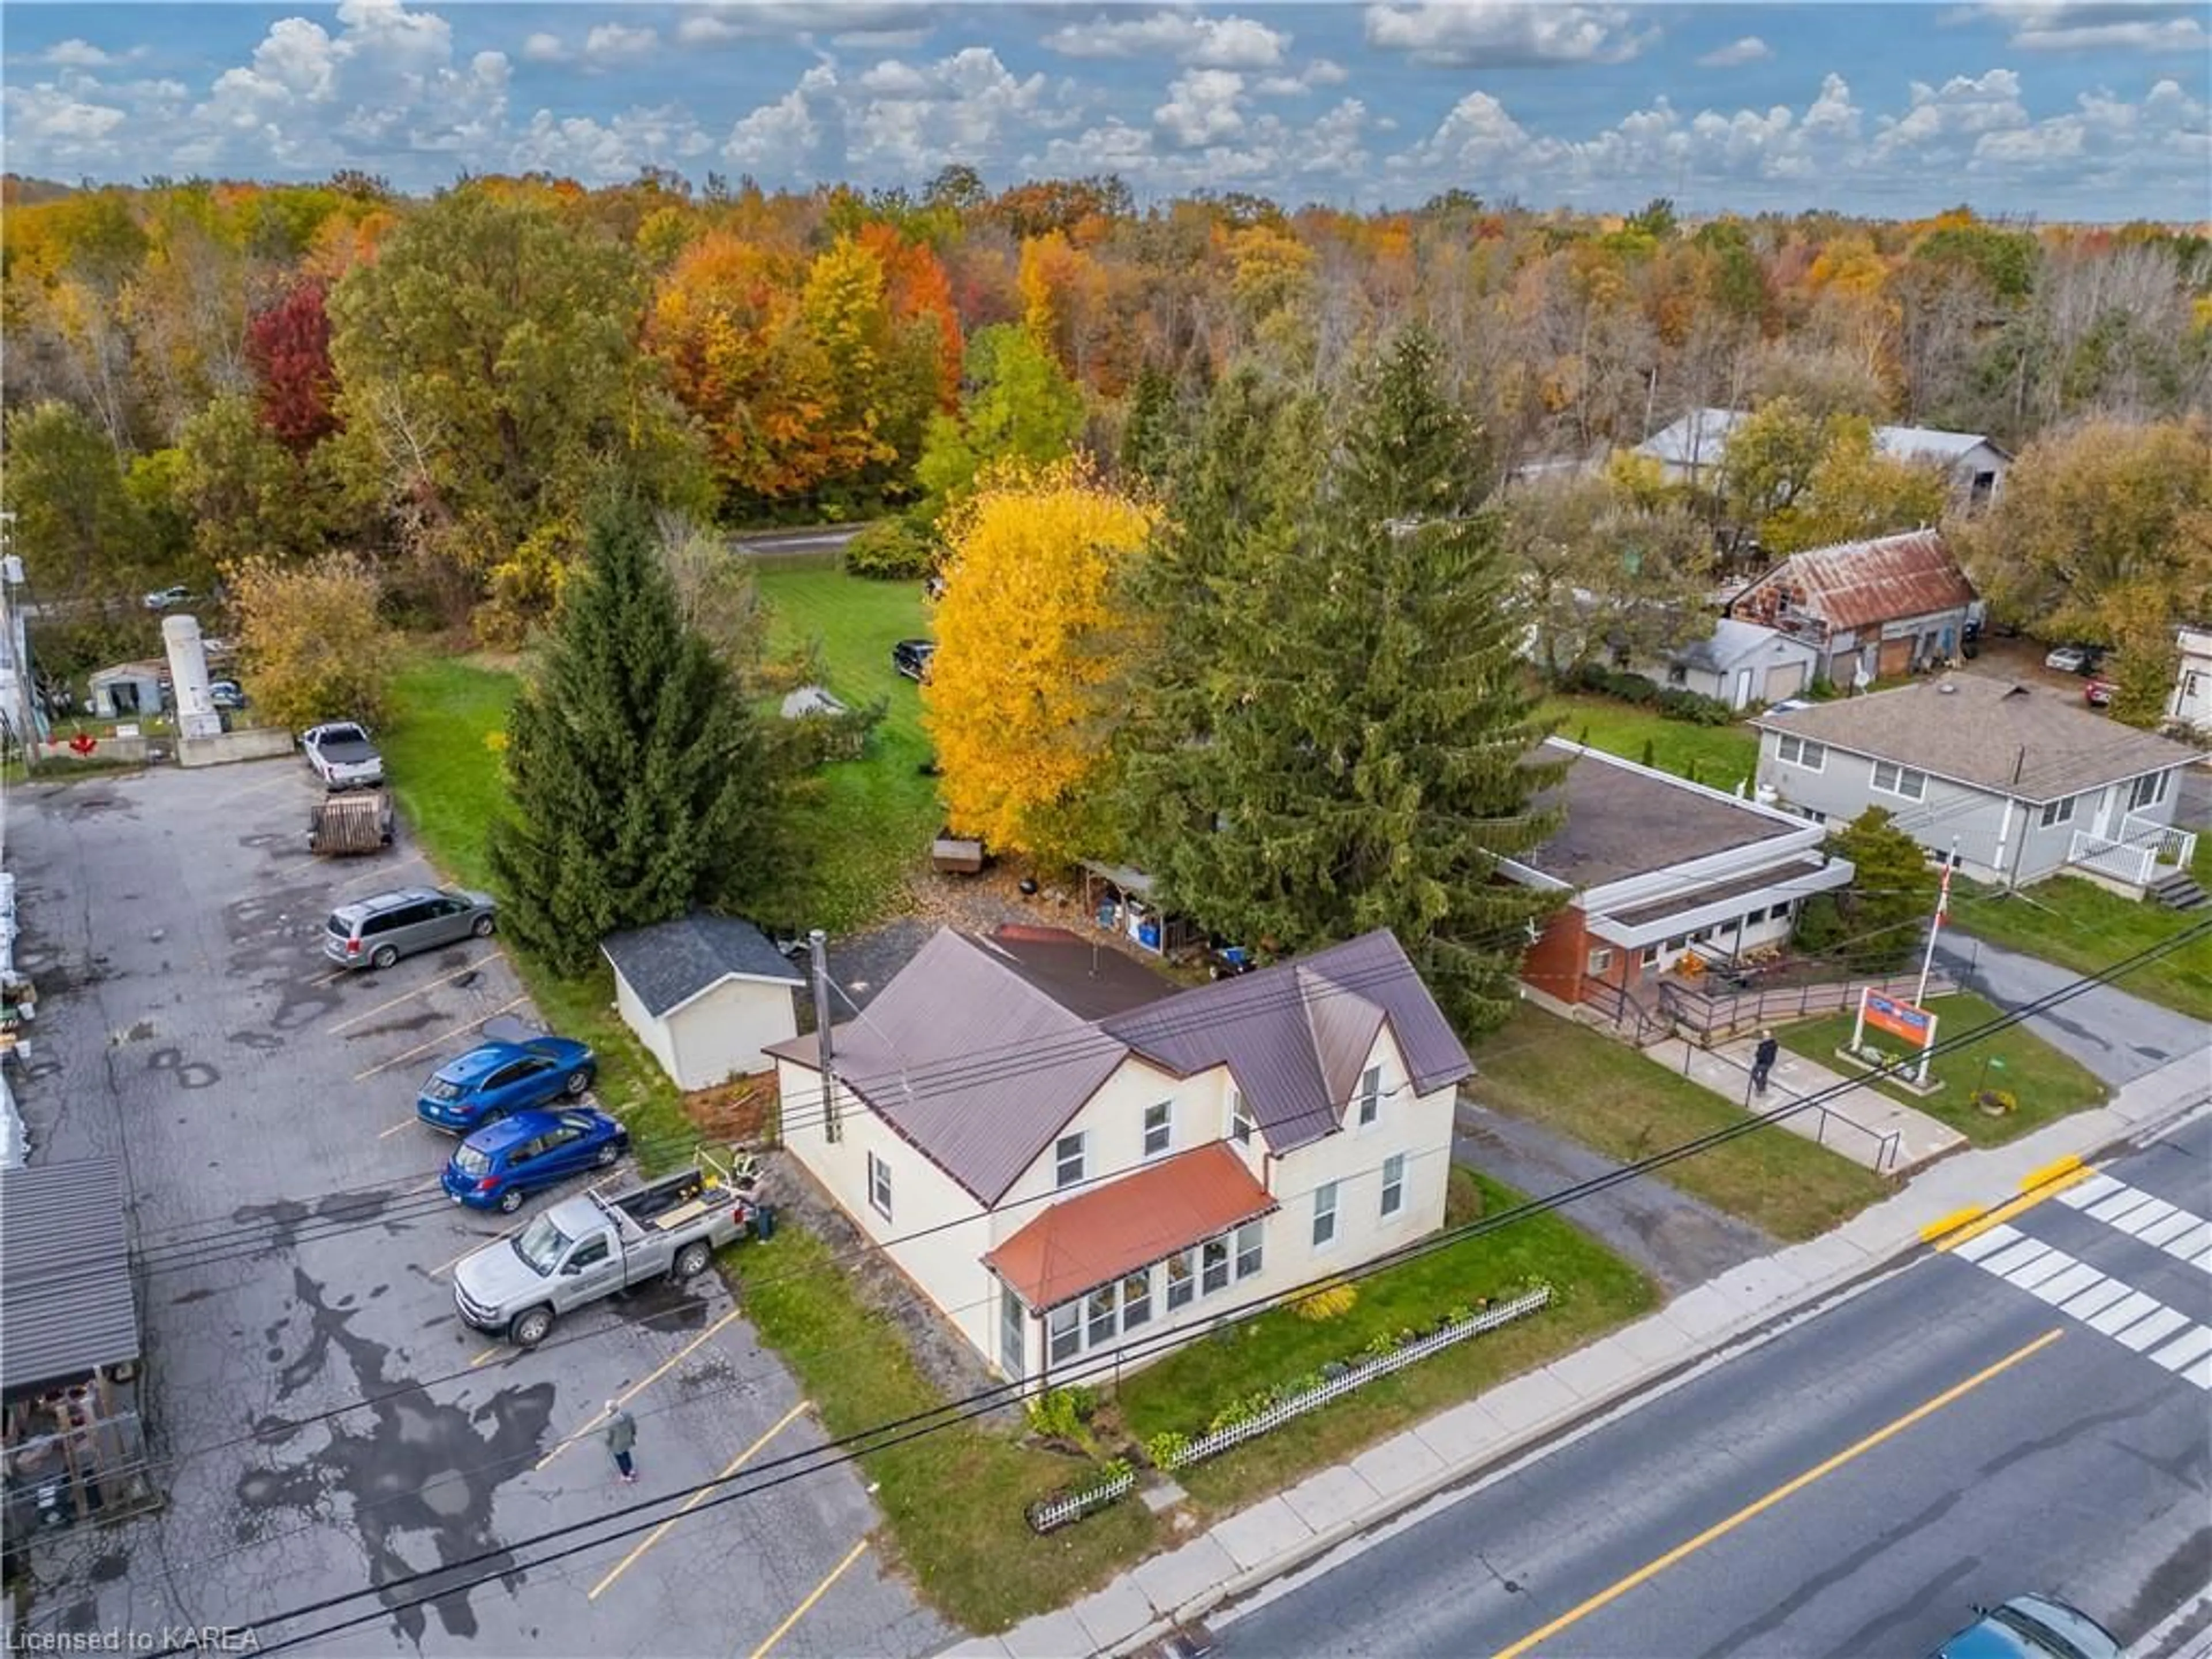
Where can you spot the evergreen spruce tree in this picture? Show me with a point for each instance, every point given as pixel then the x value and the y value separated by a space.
pixel 1357 747
pixel 642 784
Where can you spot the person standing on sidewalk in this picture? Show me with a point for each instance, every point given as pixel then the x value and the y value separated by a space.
pixel 1762 1061
pixel 621 1435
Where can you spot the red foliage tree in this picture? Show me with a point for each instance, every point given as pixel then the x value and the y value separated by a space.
pixel 290 347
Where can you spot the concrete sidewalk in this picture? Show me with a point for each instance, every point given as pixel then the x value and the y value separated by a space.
pixel 1862 1124
pixel 1256 1545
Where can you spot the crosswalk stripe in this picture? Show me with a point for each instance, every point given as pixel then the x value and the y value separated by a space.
pixel 2199 1372
pixel 2118 1206
pixel 2144 1217
pixel 1982 1244
pixel 2121 1314
pixel 2155 1328
pixel 2003 1263
pixel 2068 1282
pixel 2097 1188
pixel 2095 1299
pixel 2166 1229
pixel 2191 1345
pixel 2191 1244
pixel 2201 1259
pixel 2048 1266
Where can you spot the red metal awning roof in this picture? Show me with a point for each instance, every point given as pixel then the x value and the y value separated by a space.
pixel 1111 1231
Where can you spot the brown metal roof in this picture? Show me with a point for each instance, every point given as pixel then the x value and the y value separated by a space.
pixel 1286 1031
pixel 1860 584
pixel 969 1061
pixel 2028 743
pixel 1073 1248
pixel 1089 979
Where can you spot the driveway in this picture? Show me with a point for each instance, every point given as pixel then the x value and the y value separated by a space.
pixel 2117 1036
pixel 1679 1241
pixel 322 1418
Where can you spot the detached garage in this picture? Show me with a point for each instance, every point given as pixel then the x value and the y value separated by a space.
pixel 706 994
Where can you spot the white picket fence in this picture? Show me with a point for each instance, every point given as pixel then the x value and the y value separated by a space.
pixel 1366 1371
pixel 1050 1512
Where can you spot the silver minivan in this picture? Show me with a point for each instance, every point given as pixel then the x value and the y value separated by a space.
pixel 375 933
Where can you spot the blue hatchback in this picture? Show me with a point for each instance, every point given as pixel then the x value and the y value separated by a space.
pixel 497 1167
pixel 495 1079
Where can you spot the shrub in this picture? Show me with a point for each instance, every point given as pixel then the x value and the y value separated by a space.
pixel 1061 1414
pixel 1163 1449
pixel 1331 1303
pixel 889 551
pixel 1113 1469
pixel 1672 703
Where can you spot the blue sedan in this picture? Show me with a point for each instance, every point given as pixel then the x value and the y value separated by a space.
pixel 495 1079
pixel 496 1167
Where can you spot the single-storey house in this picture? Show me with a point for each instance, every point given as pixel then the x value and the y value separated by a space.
pixel 1658 867
pixel 1081 1165
pixel 1741 664
pixel 2024 781
pixel 69 1348
pixel 1892 605
pixel 706 994
pixel 1694 448
pixel 2190 705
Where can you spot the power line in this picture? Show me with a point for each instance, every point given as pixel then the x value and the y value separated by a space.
pixel 850 1447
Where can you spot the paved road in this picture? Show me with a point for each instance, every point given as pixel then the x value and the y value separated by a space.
pixel 1925 1445
pixel 296 1265
pixel 807 540
pixel 1679 1241
pixel 2116 1035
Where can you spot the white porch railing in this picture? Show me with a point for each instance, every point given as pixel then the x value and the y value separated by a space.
pixel 2138 856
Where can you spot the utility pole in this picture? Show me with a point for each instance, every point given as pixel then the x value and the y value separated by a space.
pixel 818 950
pixel 1927 958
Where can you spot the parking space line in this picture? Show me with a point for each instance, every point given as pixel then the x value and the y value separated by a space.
pixel 487 1356
pixel 404 1123
pixel 443 1036
pixel 636 1388
pixel 694 1500
pixel 376 876
pixel 409 996
pixel 814 1595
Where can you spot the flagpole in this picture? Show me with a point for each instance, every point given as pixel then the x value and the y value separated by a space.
pixel 1927 958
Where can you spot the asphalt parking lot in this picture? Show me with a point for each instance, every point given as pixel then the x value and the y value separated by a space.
pixel 324 1419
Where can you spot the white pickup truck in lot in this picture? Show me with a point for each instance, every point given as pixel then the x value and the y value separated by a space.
pixel 342 756
pixel 585 1247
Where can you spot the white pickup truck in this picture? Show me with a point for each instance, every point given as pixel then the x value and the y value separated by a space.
pixel 341 755
pixel 585 1248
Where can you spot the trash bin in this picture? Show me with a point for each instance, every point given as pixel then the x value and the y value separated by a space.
pixel 764 1221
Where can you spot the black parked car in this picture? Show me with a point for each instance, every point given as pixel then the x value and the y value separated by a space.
pixel 911 658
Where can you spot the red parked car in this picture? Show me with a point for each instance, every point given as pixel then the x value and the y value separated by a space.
pixel 2098 694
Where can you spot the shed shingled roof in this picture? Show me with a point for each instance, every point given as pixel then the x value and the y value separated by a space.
pixel 672 962
pixel 66 1302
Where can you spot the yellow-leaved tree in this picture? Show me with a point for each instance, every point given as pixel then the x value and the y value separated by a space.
pixel 1019 698
pixel 314 646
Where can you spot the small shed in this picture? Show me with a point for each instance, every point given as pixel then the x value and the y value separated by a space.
pixel 706 994
pixel 127 689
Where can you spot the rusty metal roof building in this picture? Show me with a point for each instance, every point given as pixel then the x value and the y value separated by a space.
pixel 67 1307
pixel 1862 584
pixel 1074 1247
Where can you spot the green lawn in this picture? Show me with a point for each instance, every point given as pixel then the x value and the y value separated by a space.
pixel 1724 754
pixel 955 1499
pixel 1594 1291
pixel 1610 1097
pixel 2080 927
pixel 866 823
pixel 2046 1083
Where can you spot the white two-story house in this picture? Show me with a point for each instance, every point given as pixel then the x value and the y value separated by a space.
pixel 1078 1162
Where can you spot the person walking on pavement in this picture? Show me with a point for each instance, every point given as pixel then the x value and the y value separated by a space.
pixel 1762 1061
pixel 621 1435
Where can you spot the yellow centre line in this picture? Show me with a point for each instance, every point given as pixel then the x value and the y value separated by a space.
pixel 636 1388
pixel 442 1037
pixel 409 996
pixel 2004 1212
pixel 1721 1529
pixel 801 1610
pixel 486 1358
pixel 694 1500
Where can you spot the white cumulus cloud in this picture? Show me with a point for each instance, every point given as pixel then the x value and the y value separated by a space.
pixel 1226 43
pixel 1750 49
pixel 1506 34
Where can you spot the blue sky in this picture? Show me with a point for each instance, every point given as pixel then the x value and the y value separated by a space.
pixel 2051 107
